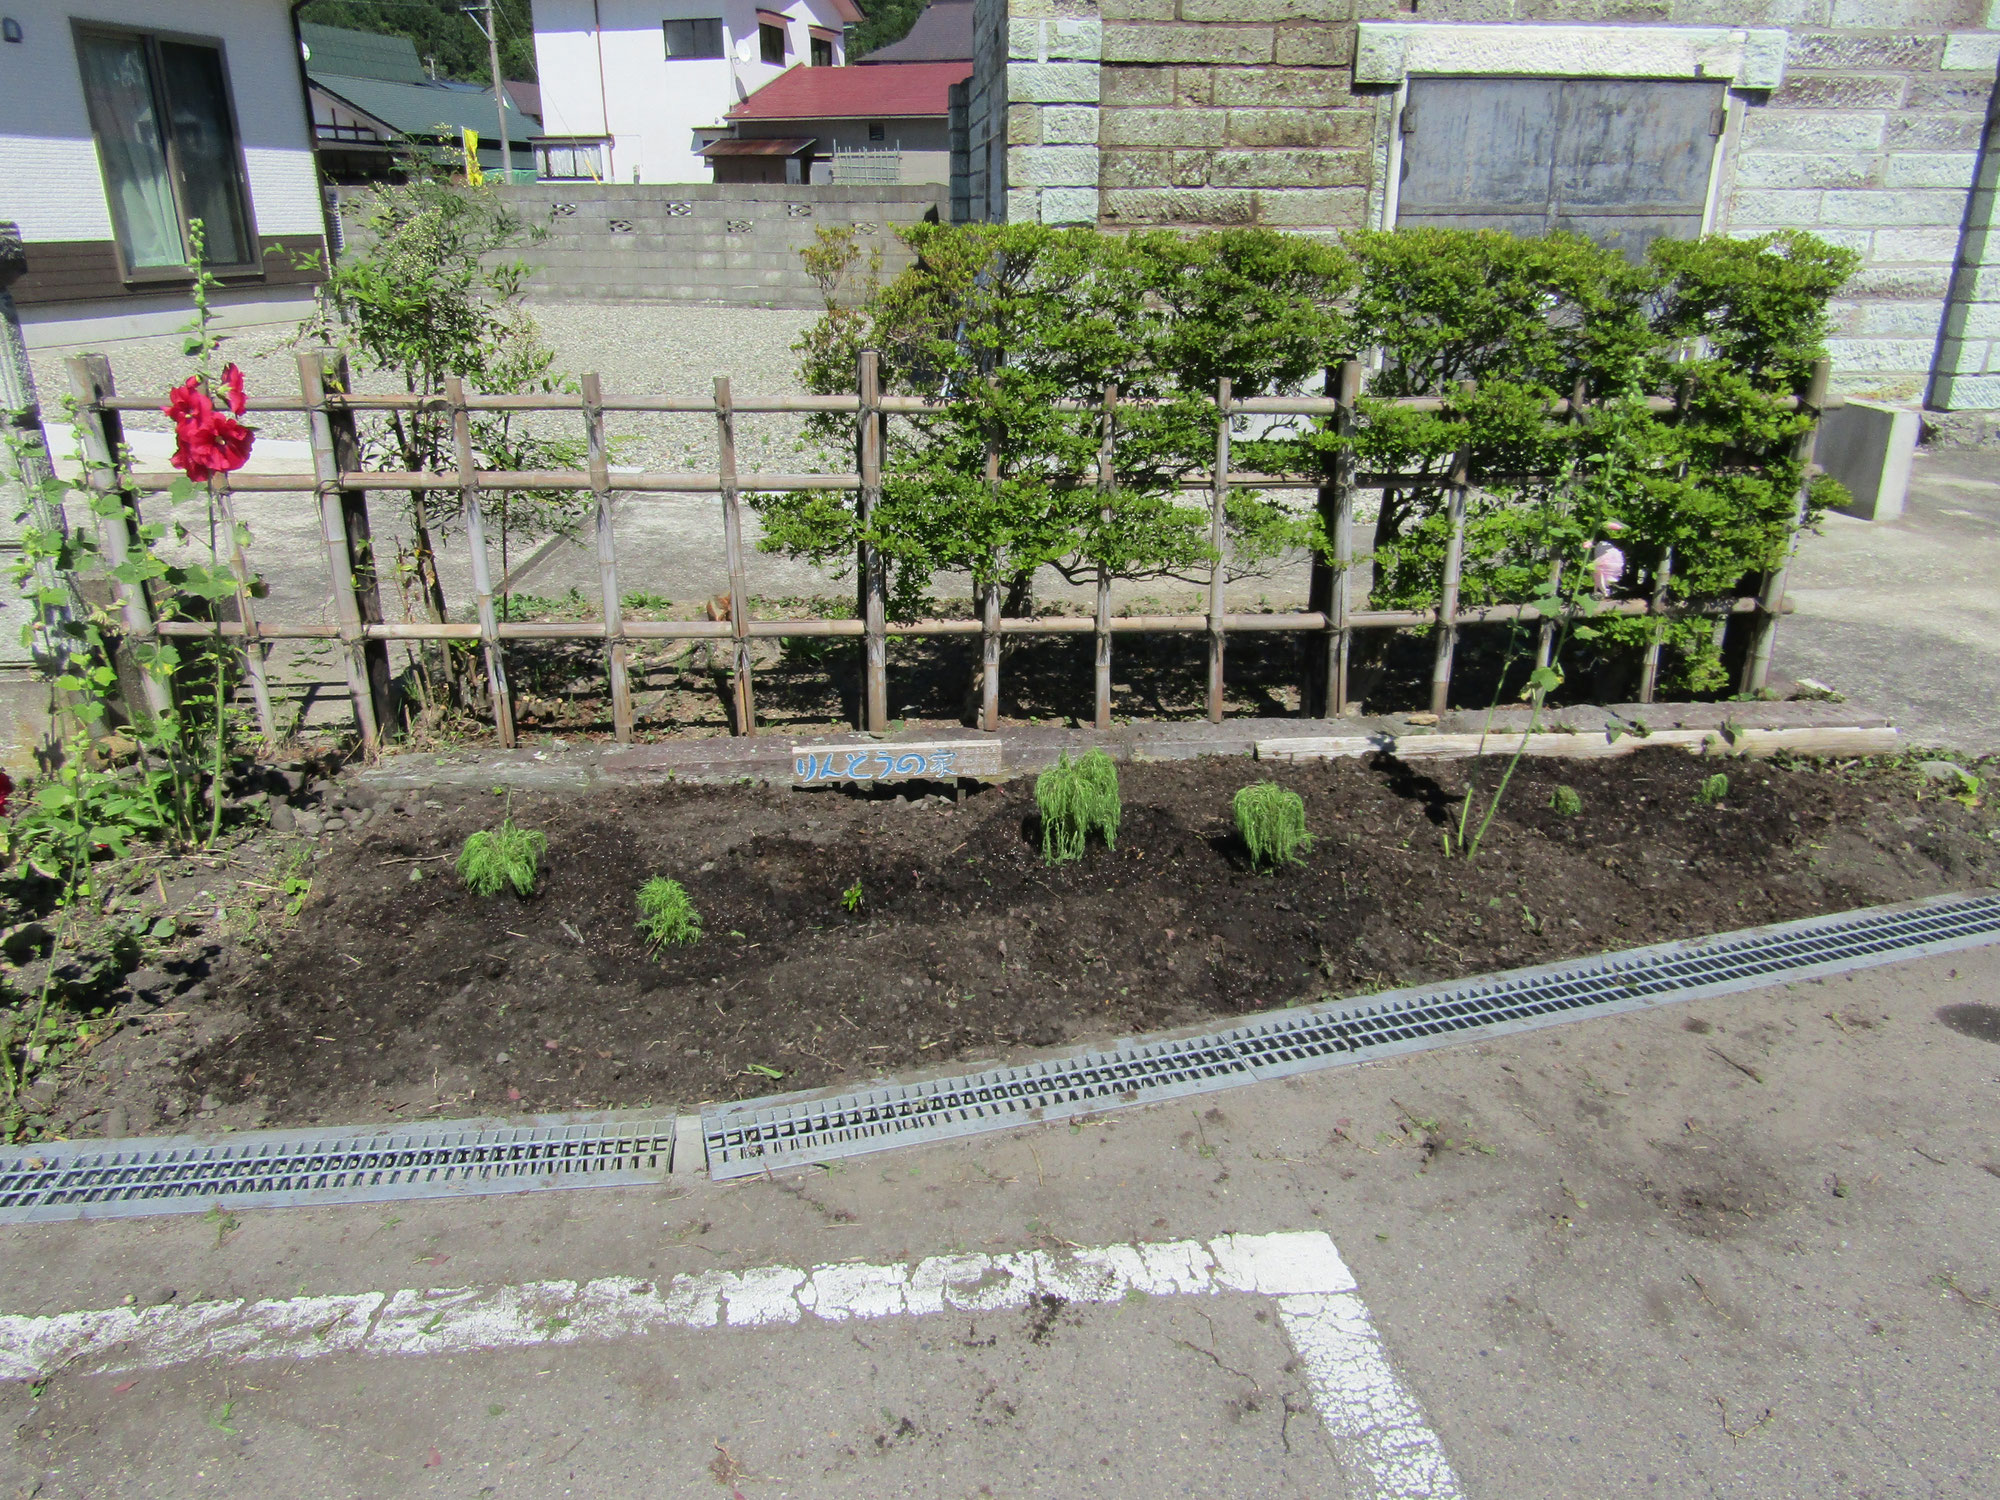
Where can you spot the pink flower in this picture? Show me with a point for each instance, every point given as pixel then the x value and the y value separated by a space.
pixel 1607 566
pixel 6 792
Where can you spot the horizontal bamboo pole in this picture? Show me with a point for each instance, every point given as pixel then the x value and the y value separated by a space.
pixel 717 630
pixel 1280 406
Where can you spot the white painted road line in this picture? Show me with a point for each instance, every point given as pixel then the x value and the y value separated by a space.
pixel 1386 1447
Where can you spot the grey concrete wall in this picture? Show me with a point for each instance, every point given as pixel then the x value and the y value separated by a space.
pixel 736 244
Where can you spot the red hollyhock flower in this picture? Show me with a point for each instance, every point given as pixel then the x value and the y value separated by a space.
pixel 209 442
pixel 233 379
pixel 6 792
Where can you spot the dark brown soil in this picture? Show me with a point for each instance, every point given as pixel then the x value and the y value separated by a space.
pixel 400 998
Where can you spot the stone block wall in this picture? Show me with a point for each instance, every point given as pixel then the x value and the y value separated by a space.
pixel 1234 112
pixel 1218 112
pixel 733 243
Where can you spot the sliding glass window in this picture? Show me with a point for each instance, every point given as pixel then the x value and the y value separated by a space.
pixel 167 142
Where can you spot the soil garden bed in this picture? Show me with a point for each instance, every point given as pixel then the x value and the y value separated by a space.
pixel 395 994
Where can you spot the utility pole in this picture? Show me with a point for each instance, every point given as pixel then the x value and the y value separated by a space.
pixel 490 29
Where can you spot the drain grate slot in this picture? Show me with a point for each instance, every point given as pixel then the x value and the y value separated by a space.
pixel 760 1135
pixel 268 1169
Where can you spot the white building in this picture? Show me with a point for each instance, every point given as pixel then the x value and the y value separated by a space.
pixel 121 121
pixel 633 89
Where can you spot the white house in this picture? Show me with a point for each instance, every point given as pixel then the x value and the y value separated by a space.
pixel 632 90
pixel 121 121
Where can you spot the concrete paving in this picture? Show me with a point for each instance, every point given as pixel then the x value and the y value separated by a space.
pixel 1738 1247
pixel 1904 616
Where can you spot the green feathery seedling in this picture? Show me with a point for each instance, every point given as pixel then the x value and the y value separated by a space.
pixel 494 858
pixel 1272 821
pixel 851 898
pixel 1713 790
pixel 665 913
pixel 1565 802
pixel 1077 798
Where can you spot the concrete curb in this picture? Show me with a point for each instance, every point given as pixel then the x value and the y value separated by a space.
pixel 767 757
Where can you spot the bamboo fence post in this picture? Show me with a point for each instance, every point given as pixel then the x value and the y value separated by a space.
pixel 103 439
pixel 615 650
pixel 1649 670
pixel 1454 563
pixel 1545 634
pixel 742 704
pixel 253 647
pixel 1336 506
pixel 989 615
pixel 1771 597
pixel 1217 513
pixel 869 565
pixel 357 596
pixel 482 575
pixel 1106 469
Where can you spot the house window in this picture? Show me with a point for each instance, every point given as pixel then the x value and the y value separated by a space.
pixel 822 52
pixel 570 161
pixel 1622 161
pixel 771 42
pixel 697 38
pixel 167 143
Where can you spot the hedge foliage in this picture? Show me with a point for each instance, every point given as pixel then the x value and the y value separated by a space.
pixel 1000 322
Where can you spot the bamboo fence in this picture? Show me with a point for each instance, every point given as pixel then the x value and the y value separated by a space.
pixel 343 484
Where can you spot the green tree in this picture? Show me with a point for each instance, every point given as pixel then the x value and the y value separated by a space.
pixel 887 21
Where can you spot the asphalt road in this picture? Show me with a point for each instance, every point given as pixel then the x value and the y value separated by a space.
pixel 1737 1247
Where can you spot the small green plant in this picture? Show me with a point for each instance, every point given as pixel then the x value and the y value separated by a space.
pixel 1272 821
pixel 1077 798
pixel 666 915
pixel 851 898
pixel 1713 790
pixel 495 858
pixel 1565 802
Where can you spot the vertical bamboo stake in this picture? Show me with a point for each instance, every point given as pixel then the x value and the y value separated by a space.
pixel 1771 598
pixel 615 650
pixel 1337 505
pixel 1106 466
pixel 869 563
pixel 742 705
pixel 253 647
pixel 1217 513
pixel 1649 671
pixel 357 600
pixel 1545 634
pixel 1454 563
pixel 117 534
pixel 482 576
pixel 989 616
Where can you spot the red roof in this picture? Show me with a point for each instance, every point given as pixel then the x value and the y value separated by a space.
pixel 887 91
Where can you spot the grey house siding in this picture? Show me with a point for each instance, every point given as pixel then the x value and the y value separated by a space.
pixel 1213 112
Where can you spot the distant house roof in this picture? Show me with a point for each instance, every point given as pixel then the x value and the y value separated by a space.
pixel 425 109
pixel 893 91
pixel 527 97
pixel 767 146
pixel 361 54
pixel 942 33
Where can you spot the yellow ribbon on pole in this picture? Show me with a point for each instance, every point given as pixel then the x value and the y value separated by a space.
pixel 474 177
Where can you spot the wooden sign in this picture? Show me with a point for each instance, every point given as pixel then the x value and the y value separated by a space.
pixel 822 765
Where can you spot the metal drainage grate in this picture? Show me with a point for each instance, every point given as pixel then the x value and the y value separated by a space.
pixel 273 1168
pixel 790 1130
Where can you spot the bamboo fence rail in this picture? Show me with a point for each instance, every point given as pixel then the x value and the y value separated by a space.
pixel 342 484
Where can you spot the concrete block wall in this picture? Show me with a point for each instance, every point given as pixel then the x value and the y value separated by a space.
pixel 736 244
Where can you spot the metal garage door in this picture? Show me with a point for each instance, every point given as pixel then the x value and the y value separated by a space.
pixel 1621 161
